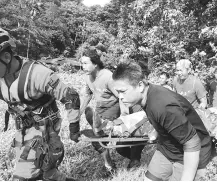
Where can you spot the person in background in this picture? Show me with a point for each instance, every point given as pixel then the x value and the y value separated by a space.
pixel 100 84
pixel 164 78
pixel 212 90
pixel 184 145
pixel 188 85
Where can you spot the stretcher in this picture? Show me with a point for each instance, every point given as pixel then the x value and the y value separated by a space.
pixel 110 141
pixel 126 131
pixel 209 118
pixel 138 124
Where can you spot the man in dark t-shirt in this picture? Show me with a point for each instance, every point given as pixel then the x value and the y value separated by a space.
pixel 184 146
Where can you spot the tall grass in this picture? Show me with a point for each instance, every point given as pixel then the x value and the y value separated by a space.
pixel 81 161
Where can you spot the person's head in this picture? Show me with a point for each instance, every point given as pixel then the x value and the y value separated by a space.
pixel 164 76
pixel 91 60
pixel 129 82
pixel 183 68
pixel 6 54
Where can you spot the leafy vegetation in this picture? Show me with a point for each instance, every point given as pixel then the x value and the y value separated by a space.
pixel 81 161
pixel 155 33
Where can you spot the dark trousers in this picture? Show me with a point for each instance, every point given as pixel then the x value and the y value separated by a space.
pixel 94 122
pixel 132 153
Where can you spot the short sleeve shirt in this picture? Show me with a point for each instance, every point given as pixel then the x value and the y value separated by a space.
pixel 176 122
pixel 192 89
pixel 105 99
pixel 213 93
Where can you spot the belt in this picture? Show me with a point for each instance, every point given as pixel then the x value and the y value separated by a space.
pixel 35 142
pixel 43 121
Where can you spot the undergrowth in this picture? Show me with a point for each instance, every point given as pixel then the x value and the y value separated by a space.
pixel 81 161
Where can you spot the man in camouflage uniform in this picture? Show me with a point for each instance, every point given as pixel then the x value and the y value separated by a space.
pixel 31 89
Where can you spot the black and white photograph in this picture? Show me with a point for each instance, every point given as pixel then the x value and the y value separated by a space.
pixel 108 90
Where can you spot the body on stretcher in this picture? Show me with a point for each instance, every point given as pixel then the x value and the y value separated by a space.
pixel 209 118
pixel 134 129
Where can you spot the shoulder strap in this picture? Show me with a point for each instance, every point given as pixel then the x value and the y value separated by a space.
pixel 23 78
pixel 136 126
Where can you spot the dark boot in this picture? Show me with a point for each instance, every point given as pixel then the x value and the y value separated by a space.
pixel 133 164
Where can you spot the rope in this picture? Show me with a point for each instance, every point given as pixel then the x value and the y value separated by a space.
pixel 47 117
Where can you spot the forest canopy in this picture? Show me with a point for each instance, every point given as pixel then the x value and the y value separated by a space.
pixel 155 32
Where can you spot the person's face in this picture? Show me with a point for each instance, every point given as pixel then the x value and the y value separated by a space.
pixel 163 79
pixel 87 65
pixel 181 72
pixel 4 57
pixel 129 94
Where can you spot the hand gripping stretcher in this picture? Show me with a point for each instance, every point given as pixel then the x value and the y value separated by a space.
pixel 126 131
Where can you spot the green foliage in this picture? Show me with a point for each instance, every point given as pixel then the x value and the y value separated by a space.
pixel 69 68
pixel 152 32
pixel 155 33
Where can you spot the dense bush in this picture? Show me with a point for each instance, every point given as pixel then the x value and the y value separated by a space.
pixel 157 33
pixel 67 67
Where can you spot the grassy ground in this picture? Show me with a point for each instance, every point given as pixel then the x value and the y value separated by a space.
pixel 81 161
